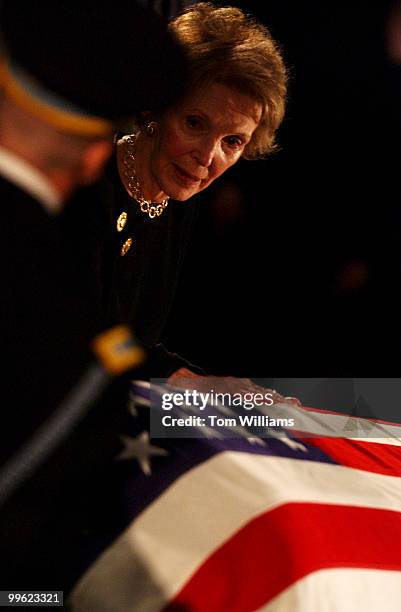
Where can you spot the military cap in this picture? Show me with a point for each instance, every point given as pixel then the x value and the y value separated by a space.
pixel 87 66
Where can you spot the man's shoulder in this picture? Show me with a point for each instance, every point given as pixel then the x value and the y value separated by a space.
pixel 15 201
pixel 25 226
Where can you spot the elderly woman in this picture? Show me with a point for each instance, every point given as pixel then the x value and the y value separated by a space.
pixel 231 109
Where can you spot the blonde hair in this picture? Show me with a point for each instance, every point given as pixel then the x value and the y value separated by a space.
pixel 226 46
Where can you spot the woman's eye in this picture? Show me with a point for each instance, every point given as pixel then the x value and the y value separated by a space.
pixel 193 122
pixel 235 142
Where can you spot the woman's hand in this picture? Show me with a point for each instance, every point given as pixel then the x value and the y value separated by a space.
pixel 185 379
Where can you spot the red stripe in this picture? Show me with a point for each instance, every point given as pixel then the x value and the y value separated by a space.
pixel 361 455
pixel 283 545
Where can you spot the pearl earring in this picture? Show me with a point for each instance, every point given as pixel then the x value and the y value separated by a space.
pixel 151 128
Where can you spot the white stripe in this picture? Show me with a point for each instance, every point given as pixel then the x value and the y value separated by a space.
pixel 341 590
pixel 335 425
pixel 207 505
pixel 388 441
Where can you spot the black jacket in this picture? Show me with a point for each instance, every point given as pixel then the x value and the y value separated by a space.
pixel 48 318
pixel 137 288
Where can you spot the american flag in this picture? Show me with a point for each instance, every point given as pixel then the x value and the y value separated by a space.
pixel 307 523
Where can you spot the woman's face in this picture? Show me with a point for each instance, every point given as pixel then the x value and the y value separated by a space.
pixel 200 139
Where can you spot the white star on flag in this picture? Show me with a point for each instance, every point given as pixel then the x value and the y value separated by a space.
pixel 139 448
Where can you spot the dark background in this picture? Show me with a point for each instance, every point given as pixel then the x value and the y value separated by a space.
pixel 294 266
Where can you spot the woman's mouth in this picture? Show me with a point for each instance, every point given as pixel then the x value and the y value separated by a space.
pixel 185 178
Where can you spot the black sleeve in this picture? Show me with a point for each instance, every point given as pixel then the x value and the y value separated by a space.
pixel 162 364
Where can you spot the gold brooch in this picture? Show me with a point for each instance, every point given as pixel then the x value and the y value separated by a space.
pixel 121 221
pixel 126 247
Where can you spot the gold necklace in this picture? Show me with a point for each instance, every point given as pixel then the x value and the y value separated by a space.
pixel 133 184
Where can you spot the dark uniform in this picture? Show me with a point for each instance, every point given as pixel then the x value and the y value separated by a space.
pixel 80 68
pixel 48 323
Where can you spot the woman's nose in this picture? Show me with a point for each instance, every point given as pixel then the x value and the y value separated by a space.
pixel 205 153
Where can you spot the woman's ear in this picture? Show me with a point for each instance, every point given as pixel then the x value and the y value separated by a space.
pixel 94 159
pixel 145 118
